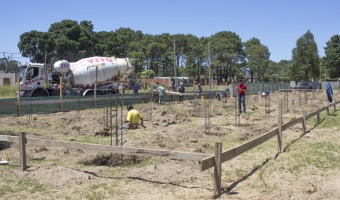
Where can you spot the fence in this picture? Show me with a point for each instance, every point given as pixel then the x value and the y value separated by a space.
pixel 40 105
pixel 220 157
pixel 206 160
pixel 50 104
pixel 22 140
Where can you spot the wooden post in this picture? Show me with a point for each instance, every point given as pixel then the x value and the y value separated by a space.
pixel 121 118
pixel 22 142
pixel 304 122
pixel 287 98
pixel 18 96
pixel 231 91
pixel 61 94
pixel 121 123
pixel 217 168
pixel 328 109
pixel 335 107
pixel 144 85
pixel 279 136
pixel 235 106
pixel 95 95
pixel 253 88
pixel 299 99
pixel 206 88
pixel 237 113
pixel 195 96
pixel 318 116
pixel 95 88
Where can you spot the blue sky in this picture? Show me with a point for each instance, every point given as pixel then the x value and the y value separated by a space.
pixel 278 24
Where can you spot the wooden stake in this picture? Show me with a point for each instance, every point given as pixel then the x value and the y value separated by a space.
pixel 18 96
pixel 22 142
pixel 304 122
pixel 279 136
pixel 328 109
pixel 61 94
pixel 217 168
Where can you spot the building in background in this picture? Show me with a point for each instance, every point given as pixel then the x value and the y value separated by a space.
pixel 7 79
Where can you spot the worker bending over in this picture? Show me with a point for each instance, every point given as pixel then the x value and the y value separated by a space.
pixel 134 118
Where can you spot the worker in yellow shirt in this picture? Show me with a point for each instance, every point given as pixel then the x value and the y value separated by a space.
pixel 134 118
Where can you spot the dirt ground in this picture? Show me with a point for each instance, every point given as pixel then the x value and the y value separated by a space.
pixel 59 173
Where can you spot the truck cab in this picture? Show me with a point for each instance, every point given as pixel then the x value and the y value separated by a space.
pixel 32 79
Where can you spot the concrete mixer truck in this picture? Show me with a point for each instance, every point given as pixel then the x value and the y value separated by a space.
pixel 78 78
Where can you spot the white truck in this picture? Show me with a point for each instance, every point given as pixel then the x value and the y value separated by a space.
pixel 78 78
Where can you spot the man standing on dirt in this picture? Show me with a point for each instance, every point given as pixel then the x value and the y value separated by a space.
pixel 135 88
pixel 161 92
pixel 181 90
pixel 242 88
pixel 199 90
pixel 172 88
pixel 133 118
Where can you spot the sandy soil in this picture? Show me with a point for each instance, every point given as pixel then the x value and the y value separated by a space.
pixel 57 173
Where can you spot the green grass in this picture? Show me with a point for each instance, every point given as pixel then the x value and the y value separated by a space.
pixel 8 92
pixel 9 132
pixel 147 162
pixel 16 186
pixel 331 121
pixel 306 156
pixel 92 195
pixel 322 154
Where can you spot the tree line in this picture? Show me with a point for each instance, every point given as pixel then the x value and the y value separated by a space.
pixel 183 54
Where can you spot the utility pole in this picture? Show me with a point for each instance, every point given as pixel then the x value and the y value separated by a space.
pixel 175 62
pixel 209 63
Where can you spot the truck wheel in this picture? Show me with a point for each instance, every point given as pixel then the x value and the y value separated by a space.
pixel 39 93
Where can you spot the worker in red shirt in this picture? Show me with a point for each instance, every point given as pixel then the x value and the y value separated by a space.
pixel 242 88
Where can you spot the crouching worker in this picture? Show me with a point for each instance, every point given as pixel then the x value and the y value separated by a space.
pixel 218 95
pixel 134 118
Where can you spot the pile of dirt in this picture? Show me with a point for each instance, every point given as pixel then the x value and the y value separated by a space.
pixel 113 160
